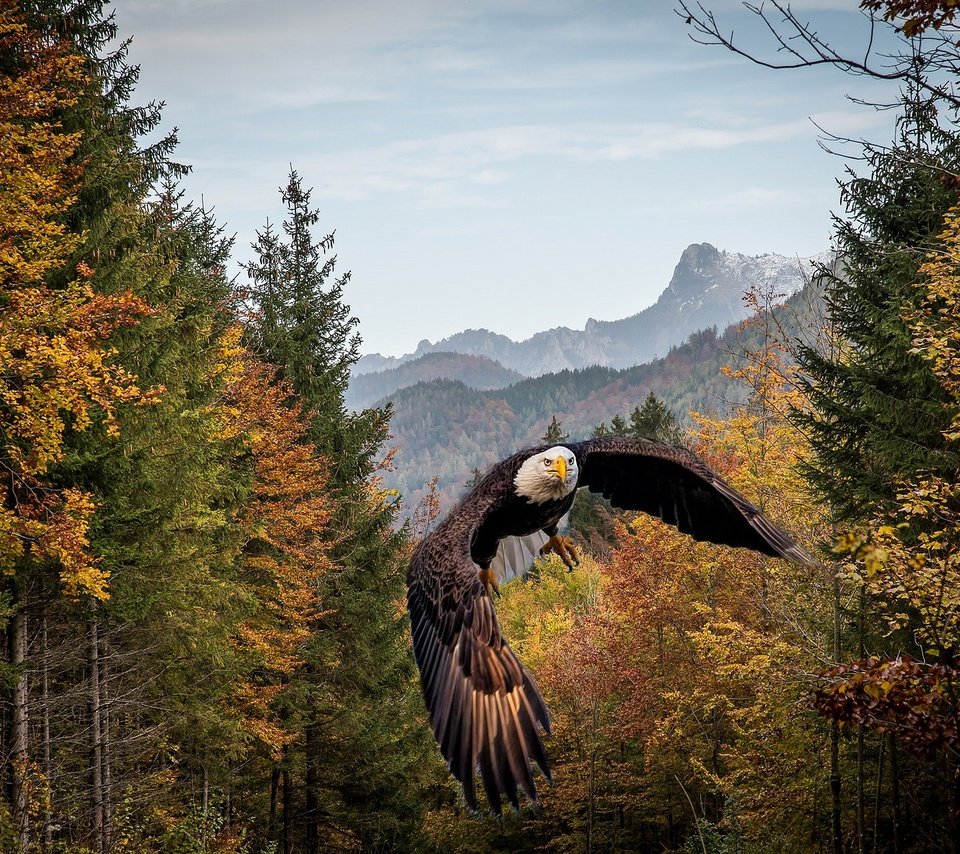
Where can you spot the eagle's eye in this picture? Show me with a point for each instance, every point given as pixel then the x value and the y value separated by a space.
pixel 570 461
pixel 547 463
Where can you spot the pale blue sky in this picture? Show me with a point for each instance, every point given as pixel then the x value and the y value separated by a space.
pixel 509 165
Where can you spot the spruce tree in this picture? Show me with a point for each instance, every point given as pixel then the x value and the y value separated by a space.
pixel 654 420
pixel 876 412
pixel 363 748
pixel 554 434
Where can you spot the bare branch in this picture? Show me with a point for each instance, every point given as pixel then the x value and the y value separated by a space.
pixel 798 45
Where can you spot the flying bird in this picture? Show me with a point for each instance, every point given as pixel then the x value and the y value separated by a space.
pixel 484 706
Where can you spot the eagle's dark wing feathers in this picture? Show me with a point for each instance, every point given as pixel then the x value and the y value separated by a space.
pixel 676 486
pixel 484 706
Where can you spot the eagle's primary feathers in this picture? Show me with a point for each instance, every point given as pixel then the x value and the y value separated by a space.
pixel 485 709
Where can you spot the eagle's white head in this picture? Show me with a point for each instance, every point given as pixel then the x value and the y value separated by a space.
pixel 548 475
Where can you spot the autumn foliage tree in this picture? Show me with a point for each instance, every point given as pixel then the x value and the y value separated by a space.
pixel 906 558
pixel 56 372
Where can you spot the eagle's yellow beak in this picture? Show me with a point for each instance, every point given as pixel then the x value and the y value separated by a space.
pixel 559 467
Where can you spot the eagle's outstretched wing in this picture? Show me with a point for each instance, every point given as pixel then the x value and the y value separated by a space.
pixel 675 485
pixel 484 706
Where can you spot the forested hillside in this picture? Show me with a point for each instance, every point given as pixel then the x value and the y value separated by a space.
pixel 206 646
pixel 475 371
pixel 444 429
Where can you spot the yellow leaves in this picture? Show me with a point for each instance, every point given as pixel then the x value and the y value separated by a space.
pixel 36 173
pixel 56 374
pixel 54 370
pixel 909 559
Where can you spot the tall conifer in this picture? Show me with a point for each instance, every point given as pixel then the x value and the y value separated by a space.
pixel 360 769
pixel 876 411
pixel 152 660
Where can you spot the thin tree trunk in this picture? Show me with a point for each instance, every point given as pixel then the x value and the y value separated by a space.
pixel 106 753
pixel 312 835
pixel 877 799
pixel 861 818
pixel 205 795
pixel 96 739
pixel 835 811
pixel 286 841
pixel 274 792
pixel 860 792
pixel 895 793
pixel 6 715
pixel 228 797
pixel 20 730
pixel 47 758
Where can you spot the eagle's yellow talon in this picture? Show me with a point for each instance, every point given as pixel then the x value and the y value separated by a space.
pixel 564 548
pixel 488 578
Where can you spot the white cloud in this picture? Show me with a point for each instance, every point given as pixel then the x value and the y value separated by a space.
pixel 481 157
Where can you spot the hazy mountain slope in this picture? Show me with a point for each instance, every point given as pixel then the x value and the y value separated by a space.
pixel 706 290
pixel 445 429
pixel 477 372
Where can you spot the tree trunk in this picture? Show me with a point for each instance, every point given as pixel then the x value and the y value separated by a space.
pixel 287 841
pixel 877 799
pixel 274 792
pixel 47 758
pixel 20 729
pixel 106 753
pixel 861 819
pixel 96 739
pixel 835 811
pixel 312 834
pixel 895 793
pixel 860 795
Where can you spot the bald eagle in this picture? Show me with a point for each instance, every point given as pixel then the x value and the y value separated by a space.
pixel 484 707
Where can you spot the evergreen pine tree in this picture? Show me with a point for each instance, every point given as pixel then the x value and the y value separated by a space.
pixel 361 770
pixel 876 411
pixel 654 420
pixel 554 434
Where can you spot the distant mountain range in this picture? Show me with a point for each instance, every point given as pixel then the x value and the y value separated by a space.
pixel 706 290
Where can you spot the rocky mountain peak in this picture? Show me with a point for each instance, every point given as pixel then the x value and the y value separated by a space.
pixel 706 290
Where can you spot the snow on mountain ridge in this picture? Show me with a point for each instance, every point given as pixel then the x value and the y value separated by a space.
pixel 706 290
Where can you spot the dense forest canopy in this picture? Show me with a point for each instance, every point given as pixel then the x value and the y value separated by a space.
pixel 202 561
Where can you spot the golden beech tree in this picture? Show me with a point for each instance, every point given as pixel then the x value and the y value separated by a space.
pixel 36 172
pixel 55 369
pixel 56 373
pixel 700 654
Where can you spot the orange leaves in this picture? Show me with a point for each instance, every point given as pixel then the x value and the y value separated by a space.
pixel 55 370
pixel 55 376
pixel 285 522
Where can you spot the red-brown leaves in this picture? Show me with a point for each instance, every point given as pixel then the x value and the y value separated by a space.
pixel 914 700
pixel 917 15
